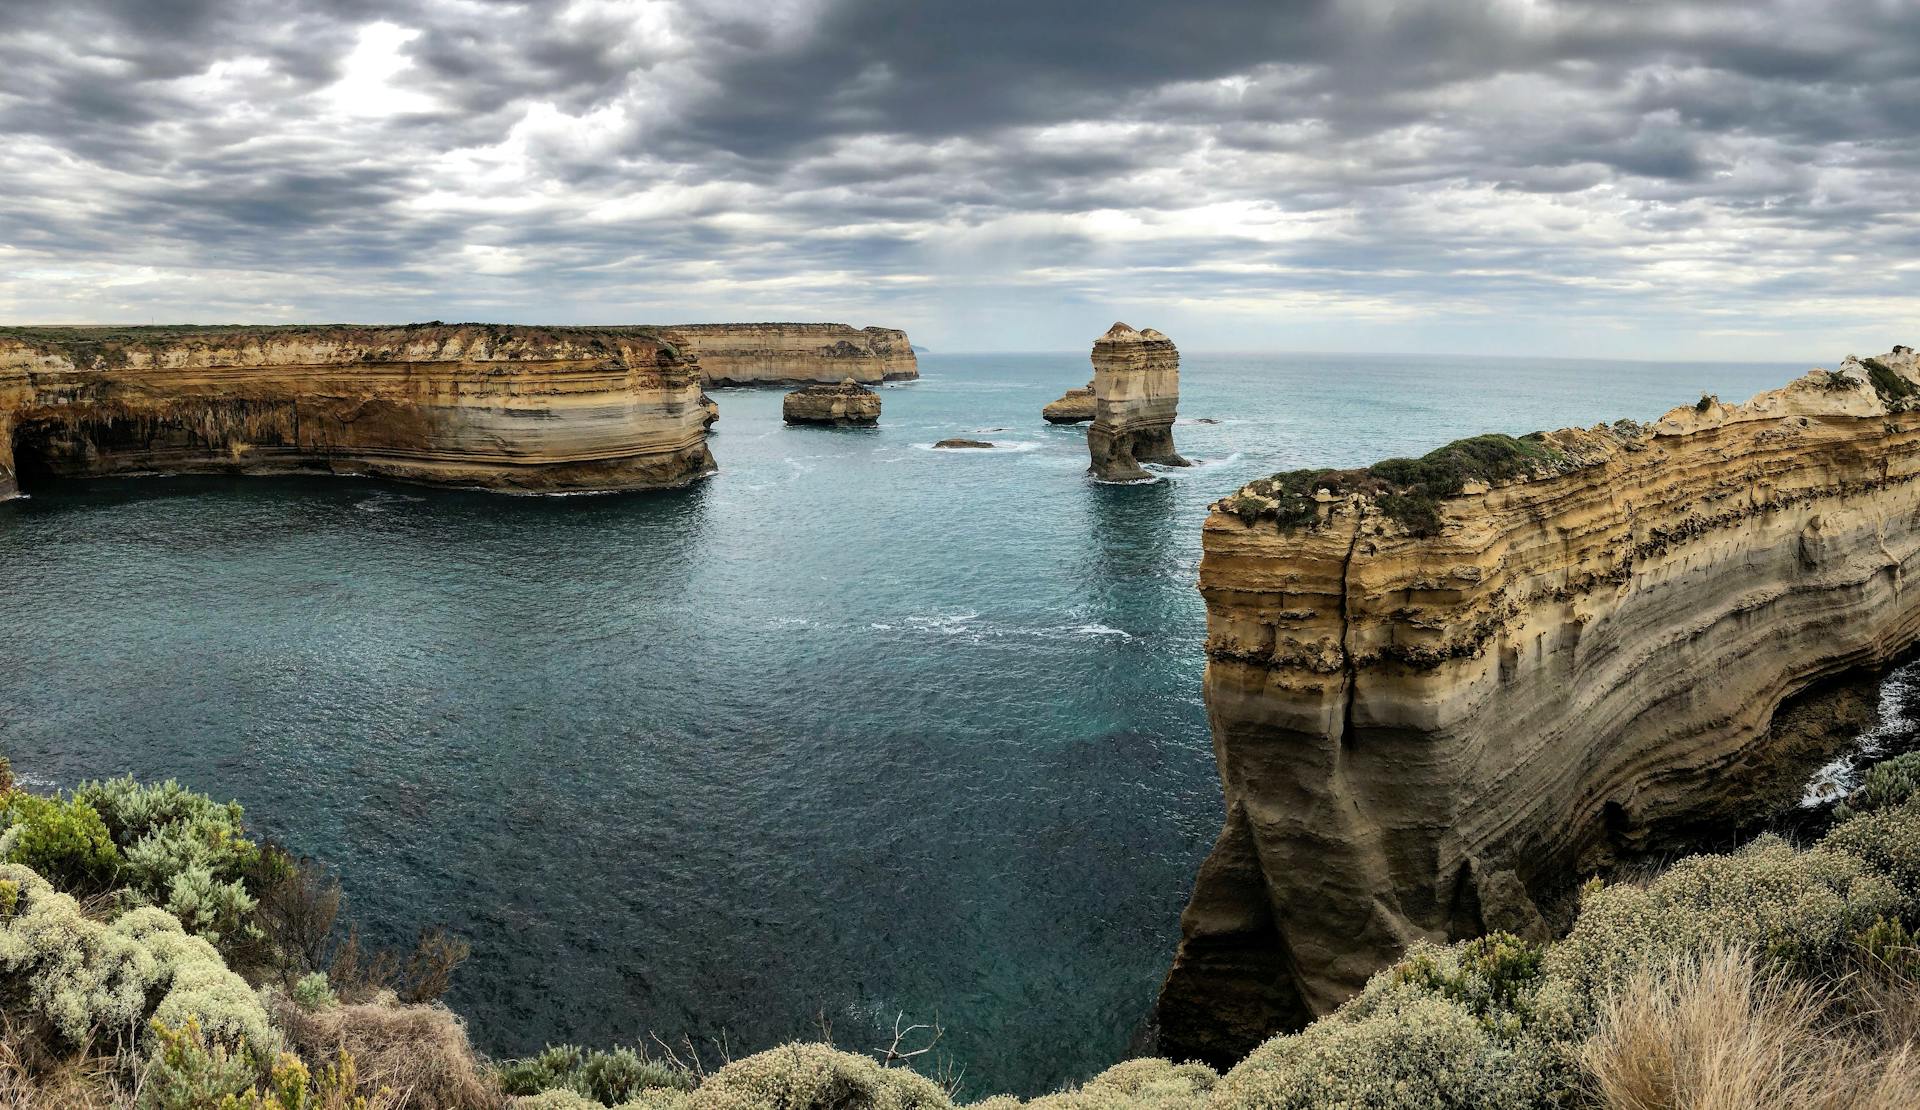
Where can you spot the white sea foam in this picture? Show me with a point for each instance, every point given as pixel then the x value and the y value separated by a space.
pixel 1837 779
pixel 1015 447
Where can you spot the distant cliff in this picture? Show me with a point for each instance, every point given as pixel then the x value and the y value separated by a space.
pixel 500 407
pixel 796 354
pixel 1443 690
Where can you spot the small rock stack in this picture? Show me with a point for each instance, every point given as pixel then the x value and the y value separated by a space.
pixel 847 405
pixel 1074 407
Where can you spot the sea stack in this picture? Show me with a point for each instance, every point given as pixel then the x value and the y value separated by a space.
pixel 1446 691
pixel 520 409
pixel 1075 406
pixel 847 405
pixel 1136 387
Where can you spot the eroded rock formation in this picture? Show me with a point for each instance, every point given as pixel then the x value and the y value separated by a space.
pixel 1443 691
pixel 847 405
pixel 507 408
pixel 794 354
pixel 1136 387
pixel 1075 406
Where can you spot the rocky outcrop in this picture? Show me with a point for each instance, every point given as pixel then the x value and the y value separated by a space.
pixel 1136 387
pixel 505 408
pixel 847 405
pixel 964 444
pixel 712 410
pixel 1075 406
pixel 794 354
pixel 1444 690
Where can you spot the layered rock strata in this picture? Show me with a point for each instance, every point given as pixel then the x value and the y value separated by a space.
pixel 847 405
pixel 795 354
pixel 1136 388
pixel 1443 691
pixel 505 408
pixel 1075 406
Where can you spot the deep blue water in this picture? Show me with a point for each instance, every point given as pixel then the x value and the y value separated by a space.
pixel 855 728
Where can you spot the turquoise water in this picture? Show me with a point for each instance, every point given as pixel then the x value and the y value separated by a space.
pixel 854 729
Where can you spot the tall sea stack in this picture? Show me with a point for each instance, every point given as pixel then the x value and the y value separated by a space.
pixel 1136 387
pixel 1444 691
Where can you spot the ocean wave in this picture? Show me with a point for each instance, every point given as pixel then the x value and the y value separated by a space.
pixel 1199 466
pixel 969 627
pixel 1895 731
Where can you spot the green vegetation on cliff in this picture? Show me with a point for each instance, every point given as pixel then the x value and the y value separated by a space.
pixel 152 955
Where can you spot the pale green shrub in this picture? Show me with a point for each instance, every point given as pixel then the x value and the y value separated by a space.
pixel 608 1078
pixel 1887 841
pixel 312 991
pixel 186 1071
pixel 1146 1084
pixel 558 1098
pixel 1800 907
pixel 815 1077
pixel 65 841
pixel 1886 786
pixel 87 979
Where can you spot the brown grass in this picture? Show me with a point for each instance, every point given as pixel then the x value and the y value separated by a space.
pixel 419 1052
pixel 1719 1033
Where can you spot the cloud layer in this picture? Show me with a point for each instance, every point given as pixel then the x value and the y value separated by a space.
pixel 1689 178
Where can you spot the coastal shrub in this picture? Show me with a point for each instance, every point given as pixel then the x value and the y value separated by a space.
pixel 1407 1050
pixel 815 1077
pixel 1887 784
pixel 1886 843
pixel 1146 1084
pixel 87 981
pixel 1894 390
pixel 312 991
pixel 187 1070
pixel 418 1054
pixel 608 1078
pixel 64 841
pixel 186 853
pixel 1408 491
pixel 1798 907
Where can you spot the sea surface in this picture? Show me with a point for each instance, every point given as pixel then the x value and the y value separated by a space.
pixel 855 729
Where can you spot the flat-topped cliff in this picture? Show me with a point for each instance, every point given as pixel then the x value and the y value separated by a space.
pixel 1444 690
pixel 500 407
pixel 796 354
pixel 1136 390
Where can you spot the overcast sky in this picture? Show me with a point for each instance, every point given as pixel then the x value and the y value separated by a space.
pixel 1674 179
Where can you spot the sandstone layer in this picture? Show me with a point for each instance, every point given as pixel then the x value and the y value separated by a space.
pixel 1075 406
pixel 795 354
pixel 507 408
pixel 1443 691
pixel 847 405
pixel 1136 387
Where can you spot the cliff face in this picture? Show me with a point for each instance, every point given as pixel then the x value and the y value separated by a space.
pixel 509 408
pixel 792 354
pixel 1136 387
pixel 1444 690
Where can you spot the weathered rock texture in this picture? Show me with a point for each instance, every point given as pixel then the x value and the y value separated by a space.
pixel 1432 718
pixel 1136 387
pixel 793 354
pixel 507 408
pixel 846 405
pixel 1075 406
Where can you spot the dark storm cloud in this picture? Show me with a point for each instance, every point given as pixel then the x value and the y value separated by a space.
pixel 1255 161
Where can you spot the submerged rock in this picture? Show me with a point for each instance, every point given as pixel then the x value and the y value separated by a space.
pixel 1136 388
pixel 972 443
pixel 847 405
pixel 1075 406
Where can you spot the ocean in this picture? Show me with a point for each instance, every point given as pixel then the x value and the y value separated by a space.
pixel 856 731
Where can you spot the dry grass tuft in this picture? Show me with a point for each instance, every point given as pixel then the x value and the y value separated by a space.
pixel 1720 1033
pixel 420 1052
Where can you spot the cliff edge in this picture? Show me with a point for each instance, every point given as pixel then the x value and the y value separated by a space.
pixel 499 407
pixel 1443 690
pixel 796 354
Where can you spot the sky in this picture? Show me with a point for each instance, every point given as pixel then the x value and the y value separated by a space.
pixel 1682 179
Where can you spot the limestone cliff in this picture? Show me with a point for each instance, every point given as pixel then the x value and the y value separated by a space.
pixel 847 405
pixel 1444 690
pixel 508 408
pixel 1136 387
pixel 793 354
